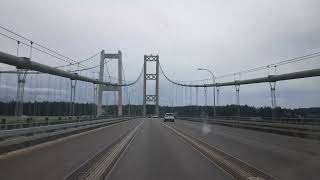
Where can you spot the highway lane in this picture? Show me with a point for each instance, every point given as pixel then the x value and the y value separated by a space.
pixel 282 156
pixel 157 153
pixel 54 160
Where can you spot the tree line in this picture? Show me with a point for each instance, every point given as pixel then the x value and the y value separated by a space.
pixel 63 109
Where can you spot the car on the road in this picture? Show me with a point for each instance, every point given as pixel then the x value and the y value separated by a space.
pixel 154 116
pixel 169 117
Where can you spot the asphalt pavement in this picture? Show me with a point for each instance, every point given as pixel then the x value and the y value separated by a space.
pixel 156 152
pixel 281 156
pixel 55 160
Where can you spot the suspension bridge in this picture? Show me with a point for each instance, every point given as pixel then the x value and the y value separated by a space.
pixel 84 119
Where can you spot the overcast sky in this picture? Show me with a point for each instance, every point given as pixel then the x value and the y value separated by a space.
pixel 225 36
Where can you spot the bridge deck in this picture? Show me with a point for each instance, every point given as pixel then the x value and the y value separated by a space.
pixel 156 152
pixel 282 156
pixel 55 160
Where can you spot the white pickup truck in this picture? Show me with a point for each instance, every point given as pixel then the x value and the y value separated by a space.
pixel 169 117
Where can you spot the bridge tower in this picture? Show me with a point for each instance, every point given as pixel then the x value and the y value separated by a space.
pixel 151 98
pixel 102 88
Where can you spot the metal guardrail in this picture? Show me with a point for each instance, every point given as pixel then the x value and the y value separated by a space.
pixel 32 130
pixel 298 130
pixel 281 120
pixel 8 123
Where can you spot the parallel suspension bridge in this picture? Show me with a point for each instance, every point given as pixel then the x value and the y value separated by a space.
pixel 79 120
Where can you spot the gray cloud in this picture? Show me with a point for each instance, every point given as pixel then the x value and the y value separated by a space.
pixel 226 36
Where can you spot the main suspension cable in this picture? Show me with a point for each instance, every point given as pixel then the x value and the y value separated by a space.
pixel 51 53
pixel 274 65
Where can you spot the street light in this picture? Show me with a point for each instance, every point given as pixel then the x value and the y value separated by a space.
pixel 214 89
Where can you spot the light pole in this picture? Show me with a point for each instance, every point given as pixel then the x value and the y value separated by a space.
pixel 214 89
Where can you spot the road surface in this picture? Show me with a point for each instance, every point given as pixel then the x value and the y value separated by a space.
pixel 281 156
pixel 156 152
pixel 55 160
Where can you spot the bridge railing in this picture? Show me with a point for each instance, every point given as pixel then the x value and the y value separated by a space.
pixel 9 123
pixel 281 120
pixel 297 130
pixel 52 127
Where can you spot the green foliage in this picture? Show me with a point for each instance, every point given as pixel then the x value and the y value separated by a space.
pixel 63 109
